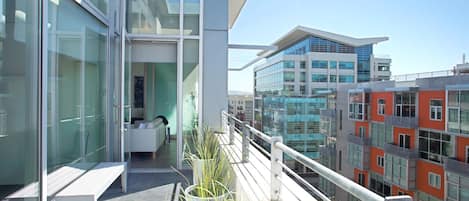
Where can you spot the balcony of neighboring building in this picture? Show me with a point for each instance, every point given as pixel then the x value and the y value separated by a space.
pixel 405 108
pixel 455 166
pixel 409 154
pixel 358 151
pixel 399 169
pixel 358 104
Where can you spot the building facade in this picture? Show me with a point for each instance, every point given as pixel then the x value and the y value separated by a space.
pixel 408 137
pixel 66 73
pixel 292 85
pixel 241 106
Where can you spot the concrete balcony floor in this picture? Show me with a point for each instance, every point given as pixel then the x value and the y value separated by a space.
pixel 147 186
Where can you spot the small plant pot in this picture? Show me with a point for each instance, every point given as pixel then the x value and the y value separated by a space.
pixel 198 166
pixel 188 193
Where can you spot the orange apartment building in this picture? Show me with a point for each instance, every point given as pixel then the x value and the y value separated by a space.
pixel 408 137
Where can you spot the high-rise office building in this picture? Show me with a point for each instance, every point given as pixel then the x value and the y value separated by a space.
pixel 293 84
pixel 401 137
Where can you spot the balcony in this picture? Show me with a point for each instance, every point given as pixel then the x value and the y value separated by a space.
pixel 458 167
pixel 401 151
pixel 262 173
pixel 358 151
pixel 404 122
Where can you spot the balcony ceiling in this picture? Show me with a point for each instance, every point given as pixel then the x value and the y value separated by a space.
pixel 234 8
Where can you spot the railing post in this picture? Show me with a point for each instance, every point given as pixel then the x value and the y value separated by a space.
pixel 232 126
pixel 245 143
pixel 276 160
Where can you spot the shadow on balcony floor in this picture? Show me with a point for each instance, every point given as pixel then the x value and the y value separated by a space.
pixel 147 186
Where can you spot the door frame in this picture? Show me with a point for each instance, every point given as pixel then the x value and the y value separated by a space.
pixel 179 93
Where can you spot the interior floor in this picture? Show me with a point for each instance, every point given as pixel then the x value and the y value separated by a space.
pixel 164 158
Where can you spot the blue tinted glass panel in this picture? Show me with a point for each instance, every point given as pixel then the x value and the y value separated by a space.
pixel 346 65
pixel 318 64
pixel 289 64
pixel 346 78
pixel 332 64
pixel 318 78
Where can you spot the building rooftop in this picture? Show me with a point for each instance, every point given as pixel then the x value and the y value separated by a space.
pixel 300 32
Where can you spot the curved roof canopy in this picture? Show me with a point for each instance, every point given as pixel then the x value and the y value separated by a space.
pixel 301 32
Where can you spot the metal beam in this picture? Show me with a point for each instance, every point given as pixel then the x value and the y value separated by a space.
pixel 252 47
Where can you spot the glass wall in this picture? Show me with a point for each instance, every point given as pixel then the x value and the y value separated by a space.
pixel 18 95
pixel 77 87
pixel 190 86
pixel 102 5
pixel 191 17
pixel 158 17
pixel 458 111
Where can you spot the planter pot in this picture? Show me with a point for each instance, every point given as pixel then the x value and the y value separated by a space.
pixel 190 197
pixel 198 166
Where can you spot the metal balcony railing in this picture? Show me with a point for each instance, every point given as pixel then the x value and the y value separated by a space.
pixel 277 149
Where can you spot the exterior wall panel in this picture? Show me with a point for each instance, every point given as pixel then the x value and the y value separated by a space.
pixel 374 153
pixel 388 108
pixel 423 168
pixel 407 131
pixel 424 109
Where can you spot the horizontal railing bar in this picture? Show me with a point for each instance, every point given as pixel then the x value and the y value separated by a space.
pixel 306 183
pixel 348 185
pixel 259 147
pixel 263 136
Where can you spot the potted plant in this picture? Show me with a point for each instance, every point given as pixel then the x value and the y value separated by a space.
pixel 211 169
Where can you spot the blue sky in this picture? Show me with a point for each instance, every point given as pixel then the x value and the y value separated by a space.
pixel 425 35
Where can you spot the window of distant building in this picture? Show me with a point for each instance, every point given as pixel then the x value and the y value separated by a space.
pixel 381 106
pixel 380 134
pixel 318 78
pixel 358 105
pixel 302 64
pixel 361 179
pixel 378 185
pixel 333 64
pixel 404 104
pixel 346 65
pixel 457 111
pixel 436 108
pixel 404 141
pixel 362 131
pixel 380 161
pixel 318 64
pixel 395 170
pixel 458 187
pixel 434 146
pixel 355 155
pixel 434 180
pixel 346 79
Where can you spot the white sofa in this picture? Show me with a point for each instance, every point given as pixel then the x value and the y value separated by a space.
pixel 147 138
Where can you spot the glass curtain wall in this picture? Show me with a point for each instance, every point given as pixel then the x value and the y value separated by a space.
pixel 77 86
pixel 19 31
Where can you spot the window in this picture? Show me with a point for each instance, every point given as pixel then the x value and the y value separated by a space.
pixel 380 161
pixel 346 65
pixel 289 64
pixel 362 131
pixel 435 109
pixel 361 179
pixel 340 160
pixel 381 106
pixel 404 141
pixel 332 64
pixel 395 170
pixel 378 185
pixel 434 180
pixel 358 105
pixel 380 134
pixel 318 78
pixel 346 79
pixel 404 104
pixel 434 146
pixel 302 64
pixel 332 78
pixel 303 90
pixel 457 187
pixel 355 155
pixel 302 77
pixel 289 76
pixel 318 64
pixel 458 111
